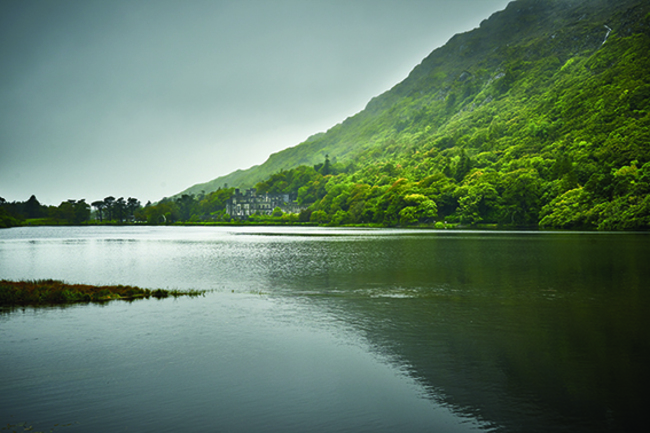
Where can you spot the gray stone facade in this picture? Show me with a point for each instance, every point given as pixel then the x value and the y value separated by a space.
pixel 244 204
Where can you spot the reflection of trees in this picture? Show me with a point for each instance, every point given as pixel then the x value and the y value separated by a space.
pixel 529 332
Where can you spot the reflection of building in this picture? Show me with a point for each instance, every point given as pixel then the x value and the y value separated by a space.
pixel 242 205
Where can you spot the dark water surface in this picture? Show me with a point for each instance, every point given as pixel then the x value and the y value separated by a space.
pixel 331 330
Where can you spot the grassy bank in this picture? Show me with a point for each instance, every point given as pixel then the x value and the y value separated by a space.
pixel 48 292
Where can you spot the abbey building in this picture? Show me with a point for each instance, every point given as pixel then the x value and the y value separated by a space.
pixel 244 204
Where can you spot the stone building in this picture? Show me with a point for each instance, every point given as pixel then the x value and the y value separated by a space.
pixel 244 204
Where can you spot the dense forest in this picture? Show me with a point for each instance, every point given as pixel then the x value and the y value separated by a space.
pixel 539 118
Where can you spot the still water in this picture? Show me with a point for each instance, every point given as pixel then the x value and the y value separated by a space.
pixel 331 330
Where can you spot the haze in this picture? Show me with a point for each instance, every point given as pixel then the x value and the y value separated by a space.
pixel 146 98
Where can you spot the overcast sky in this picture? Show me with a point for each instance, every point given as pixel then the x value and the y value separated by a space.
pixel 146 98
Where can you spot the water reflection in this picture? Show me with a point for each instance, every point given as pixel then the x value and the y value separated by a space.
pixel 532 333
pixel 521 331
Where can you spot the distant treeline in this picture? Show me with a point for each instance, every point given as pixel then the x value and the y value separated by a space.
pixel 32 211
pixel 201 208
pixel 70 212
pixel 187 208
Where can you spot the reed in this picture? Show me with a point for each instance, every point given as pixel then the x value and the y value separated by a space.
pixel 49 292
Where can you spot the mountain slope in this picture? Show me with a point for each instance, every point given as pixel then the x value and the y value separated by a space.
pixel 486 47
pixel 540 115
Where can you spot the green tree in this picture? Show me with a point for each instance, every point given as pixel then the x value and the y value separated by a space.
pixel 478 199
pixel 119 210
pixel 327 167
pixel 463 166
pixel 100 206
pixel 81 211
pixel 418 209
pixel 132 205
pixel 571 210
pixel 186 204
pixel 319 217
pixel 33 209
pixel 520 200
pixel 109 203
pixel 71 212
pixel 6 220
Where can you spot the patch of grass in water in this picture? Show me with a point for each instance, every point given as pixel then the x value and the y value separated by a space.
pixel 55 292
pixel 24 426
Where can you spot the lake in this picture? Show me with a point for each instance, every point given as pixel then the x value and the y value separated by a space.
pixel 330 330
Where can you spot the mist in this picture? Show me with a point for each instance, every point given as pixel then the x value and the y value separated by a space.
pixel 144 99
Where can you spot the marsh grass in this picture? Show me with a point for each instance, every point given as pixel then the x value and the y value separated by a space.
pixel 23 427
pixel 51 292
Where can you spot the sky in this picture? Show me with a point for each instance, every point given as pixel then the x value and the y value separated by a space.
pixel 138 98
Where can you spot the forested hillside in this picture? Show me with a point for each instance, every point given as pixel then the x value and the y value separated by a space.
pixel 539 117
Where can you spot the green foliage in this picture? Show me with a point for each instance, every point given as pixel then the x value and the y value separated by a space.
pixel 74 212
pixel 117 211
pixel 6 220
pixel 289 181
pixel 188 208
pixel 623 205
pixel 15 213
pixel 535 119
pixel 571 210
pixel 478 199
pixel 71 212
